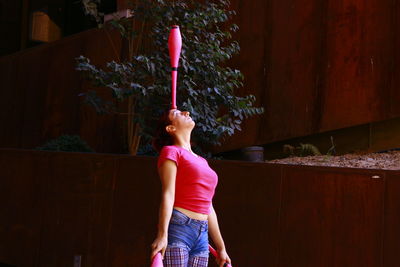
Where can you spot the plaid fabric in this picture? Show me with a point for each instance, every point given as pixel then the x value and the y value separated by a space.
pixel 176 257
pixel 179 257
pixel 198 261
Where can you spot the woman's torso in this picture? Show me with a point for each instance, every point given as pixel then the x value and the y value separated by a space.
pixel 195 182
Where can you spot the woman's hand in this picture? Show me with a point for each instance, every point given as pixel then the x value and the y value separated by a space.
pixel 222 258
pixel 159 245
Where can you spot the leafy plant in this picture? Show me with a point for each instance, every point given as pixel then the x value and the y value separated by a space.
pixel 70 143
pixel 302 150
pixel 206 85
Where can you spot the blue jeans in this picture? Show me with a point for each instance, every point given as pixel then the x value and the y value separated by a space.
pixel 189 234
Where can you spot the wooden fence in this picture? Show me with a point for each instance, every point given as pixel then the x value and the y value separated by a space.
pixel 102 209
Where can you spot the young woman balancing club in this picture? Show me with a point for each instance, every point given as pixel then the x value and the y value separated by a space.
pixel 186 214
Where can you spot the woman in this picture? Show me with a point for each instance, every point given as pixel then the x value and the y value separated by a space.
pixel 186 213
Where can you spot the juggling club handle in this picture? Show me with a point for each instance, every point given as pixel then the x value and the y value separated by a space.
pixel 214 252
pixel 157 261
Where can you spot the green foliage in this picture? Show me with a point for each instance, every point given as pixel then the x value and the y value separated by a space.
pixel 302 150
pixel 69 143
pixel 206 86
pixel 332 149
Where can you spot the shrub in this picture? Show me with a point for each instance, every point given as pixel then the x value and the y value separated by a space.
pixel 67 143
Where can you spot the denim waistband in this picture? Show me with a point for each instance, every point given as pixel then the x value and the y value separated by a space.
pixel 199 224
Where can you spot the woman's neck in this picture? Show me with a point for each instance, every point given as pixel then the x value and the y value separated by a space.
pixel 183 141
pixel 184 145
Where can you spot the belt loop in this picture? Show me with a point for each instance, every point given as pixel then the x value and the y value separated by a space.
pixel 189 220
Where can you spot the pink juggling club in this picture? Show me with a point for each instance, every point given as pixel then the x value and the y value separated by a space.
pixel 174 46
pixel 157 261
pixel 214 252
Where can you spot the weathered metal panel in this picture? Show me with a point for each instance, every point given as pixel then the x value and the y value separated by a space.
pixel 10 26
pixel 22 194
pixel 327 65
pixel 78 209
pixel 391 246
pixel 331 217
pixel 40 88
pixel 103 208
pixel 11 103
pixel 135 212
pixel 314 65
pixel 247 202
pixel 359 53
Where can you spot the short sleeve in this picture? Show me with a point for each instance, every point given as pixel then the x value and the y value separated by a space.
pixel 168 152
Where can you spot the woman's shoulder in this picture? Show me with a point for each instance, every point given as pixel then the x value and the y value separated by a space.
pixel 171 153
pixel 170 150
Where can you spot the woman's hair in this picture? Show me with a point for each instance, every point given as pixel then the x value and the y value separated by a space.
pixel 162 137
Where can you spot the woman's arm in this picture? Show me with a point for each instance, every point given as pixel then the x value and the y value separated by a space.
pixel 215 234
pixel 167 172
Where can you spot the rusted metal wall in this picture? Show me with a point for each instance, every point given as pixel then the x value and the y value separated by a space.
pixel 39 93
pixel 10 26
pixel 104 208
pixel 314 65
pixel 317 65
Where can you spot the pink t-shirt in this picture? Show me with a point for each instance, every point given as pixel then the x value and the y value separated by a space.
pixel 195 180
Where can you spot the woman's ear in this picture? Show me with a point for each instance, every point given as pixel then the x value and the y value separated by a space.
pixel 170 128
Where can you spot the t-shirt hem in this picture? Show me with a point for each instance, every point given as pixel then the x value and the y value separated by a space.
pixel 194 210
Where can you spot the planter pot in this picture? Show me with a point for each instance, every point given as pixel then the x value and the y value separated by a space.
pixel 253 153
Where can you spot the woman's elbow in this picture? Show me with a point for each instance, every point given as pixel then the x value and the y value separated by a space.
pixel 168 197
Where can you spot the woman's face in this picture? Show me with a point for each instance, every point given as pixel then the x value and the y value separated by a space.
pixel 181 119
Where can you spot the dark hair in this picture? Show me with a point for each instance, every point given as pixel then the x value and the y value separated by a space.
pixel 162 137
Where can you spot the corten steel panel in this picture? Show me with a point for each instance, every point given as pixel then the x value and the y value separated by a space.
pixel 10 26
pixel 135 212
pixel 34 68
pixel 252 18
pixel 331 217
pixel 10 41
pixel 59 100
pixel 11 103
pixel 21 198
pixel 395 92
pixel 78 210
pixel 294 82
pixel 359 53
pixel 281 68
pixel 288 83
pixel 247 203
pixel 41 86
pixel 102 131
pixel 392 220
pixel 10 10
pixel 384 134
pixel 104 207
pixel 328 65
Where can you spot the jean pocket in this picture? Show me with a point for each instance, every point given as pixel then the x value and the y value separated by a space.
pixel 178 220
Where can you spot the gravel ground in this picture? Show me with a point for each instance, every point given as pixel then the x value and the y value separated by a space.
pixel 386 161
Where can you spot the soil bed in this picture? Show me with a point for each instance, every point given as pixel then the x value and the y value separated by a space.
pixel 387 161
